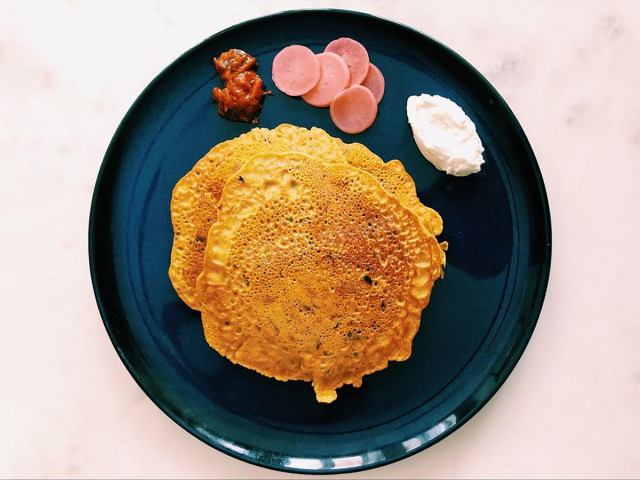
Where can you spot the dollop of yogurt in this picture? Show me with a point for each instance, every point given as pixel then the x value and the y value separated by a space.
pixel 444 134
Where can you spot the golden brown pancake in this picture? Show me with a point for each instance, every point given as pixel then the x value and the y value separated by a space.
pixel 195 199
pixel 395 180
pixel 313 271
pixel 194 203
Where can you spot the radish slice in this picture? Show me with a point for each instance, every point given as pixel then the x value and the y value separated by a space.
pixel 334 77
pixel 374 81
pixel 295 70
pixel 355 56
pixel 354 110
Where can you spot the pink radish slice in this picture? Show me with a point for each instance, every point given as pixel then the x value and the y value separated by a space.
pixel 295 70
pixel 354 110
pixel 334 77
pixel 374 81
pixel 355 56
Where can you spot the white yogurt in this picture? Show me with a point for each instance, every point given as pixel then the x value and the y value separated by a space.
pixel 445 135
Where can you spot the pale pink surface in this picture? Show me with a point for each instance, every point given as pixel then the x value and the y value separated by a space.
pixel 69 408
pixel 354 54
pixel 334 77
pixel 374 81
pixel 354 110
pixel 295 70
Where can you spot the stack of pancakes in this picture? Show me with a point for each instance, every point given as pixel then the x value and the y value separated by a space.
pixel 309 259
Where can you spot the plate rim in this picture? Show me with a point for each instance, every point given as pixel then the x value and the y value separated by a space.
pixel 517 348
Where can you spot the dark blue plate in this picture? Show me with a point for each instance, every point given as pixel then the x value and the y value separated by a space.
pixel 481 315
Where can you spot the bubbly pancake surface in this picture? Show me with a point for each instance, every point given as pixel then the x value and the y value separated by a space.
pixel 195 198
pixel 313 271
pixel 395 180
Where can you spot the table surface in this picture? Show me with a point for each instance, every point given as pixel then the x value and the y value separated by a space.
pixel 69 72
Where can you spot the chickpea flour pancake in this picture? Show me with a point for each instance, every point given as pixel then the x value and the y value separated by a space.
pixel 314 272
pixel 195 199
pixel 395 180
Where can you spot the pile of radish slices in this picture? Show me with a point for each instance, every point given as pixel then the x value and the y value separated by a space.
pixel 341 78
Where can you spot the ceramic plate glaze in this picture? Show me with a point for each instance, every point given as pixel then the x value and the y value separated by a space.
pixel 473 332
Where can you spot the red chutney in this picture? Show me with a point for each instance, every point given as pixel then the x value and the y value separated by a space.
pixel 242 97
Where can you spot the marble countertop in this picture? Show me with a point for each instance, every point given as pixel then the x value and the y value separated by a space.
pixel 69 70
